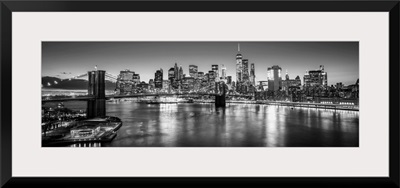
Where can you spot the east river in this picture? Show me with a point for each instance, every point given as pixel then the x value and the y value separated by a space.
pixel 237 125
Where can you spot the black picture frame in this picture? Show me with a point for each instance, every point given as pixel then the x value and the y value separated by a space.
pixel 7 7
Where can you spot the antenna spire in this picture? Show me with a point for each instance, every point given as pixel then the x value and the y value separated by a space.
pixel 238 47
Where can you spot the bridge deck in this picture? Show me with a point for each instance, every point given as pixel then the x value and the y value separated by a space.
pixel 83 98
pixel 69 99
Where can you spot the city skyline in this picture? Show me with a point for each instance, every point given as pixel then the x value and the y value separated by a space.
pixel 340 59
pixel 158 103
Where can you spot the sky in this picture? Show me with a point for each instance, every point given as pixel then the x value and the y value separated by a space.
pixel 68 59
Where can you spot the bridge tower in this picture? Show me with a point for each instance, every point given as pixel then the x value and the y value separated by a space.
pixel 96 107
pixel 220 90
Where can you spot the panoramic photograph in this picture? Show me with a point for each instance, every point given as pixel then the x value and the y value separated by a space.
pixel 200 94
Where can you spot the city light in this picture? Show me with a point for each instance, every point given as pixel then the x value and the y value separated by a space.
pixel 193 103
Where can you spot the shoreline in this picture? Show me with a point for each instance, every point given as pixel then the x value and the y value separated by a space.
pixel 274 103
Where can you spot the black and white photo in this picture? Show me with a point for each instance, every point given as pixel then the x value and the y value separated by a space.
pixel 200 94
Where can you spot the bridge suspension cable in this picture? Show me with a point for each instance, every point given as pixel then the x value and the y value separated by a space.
pixel 84 76
pixel 81 76
pixel 111 77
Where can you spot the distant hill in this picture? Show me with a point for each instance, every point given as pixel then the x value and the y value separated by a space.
pixel 56 83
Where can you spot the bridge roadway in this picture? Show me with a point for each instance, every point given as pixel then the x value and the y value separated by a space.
pixel 85 98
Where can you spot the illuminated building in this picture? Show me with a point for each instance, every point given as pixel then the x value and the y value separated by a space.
pixel 211 76
pixel 204 82
pixel 287 75
pixel 200 75
pixel 239 66
pixel 171 74
pixel 229 80
pixel 263 86
pixel 291 83
pixel 274 78
pixel 355 88
pixel 125 75
pixel 151 83
pixel 127 80
pixel 158 79
pixel 166 84
pixel 298 80
pixel 180 75
pixel 193 71
pixel 245 71
pixel 188 83
pixel 214 68
pixel 223 72
pixel 216 71
pixel 252 75
pixel 176 72
pixel 171 77
pixel 243 80
pixel 144 85
pixel 136 78
pixel 316 78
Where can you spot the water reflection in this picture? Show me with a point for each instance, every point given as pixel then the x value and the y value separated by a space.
pixel 237 125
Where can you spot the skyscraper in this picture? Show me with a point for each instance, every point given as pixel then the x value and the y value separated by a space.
pixel 158 79
pixel 316 78
pixel 200 75
pixel 176 72
pixel 193 71
pixel 245 71
pixel 290 83
pixel 223 72
pixel 136 78
pixel 171 74
pixel 252 75
pixel 151 83
pixel 180 73
pixel 211 77
pixel 216 71
pixel 298 79
pixel 166 84
pixel 239 66
pixel 229 80
pixel 274 78
pixel 126 75
pixel 287 75
pixel 127 80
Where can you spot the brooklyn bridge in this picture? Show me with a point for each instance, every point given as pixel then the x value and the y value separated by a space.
pixel 96 97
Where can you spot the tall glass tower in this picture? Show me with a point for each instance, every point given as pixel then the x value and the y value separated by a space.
pixel 274 78
pixel 252 75
pixel 223 72
pixel 239 71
